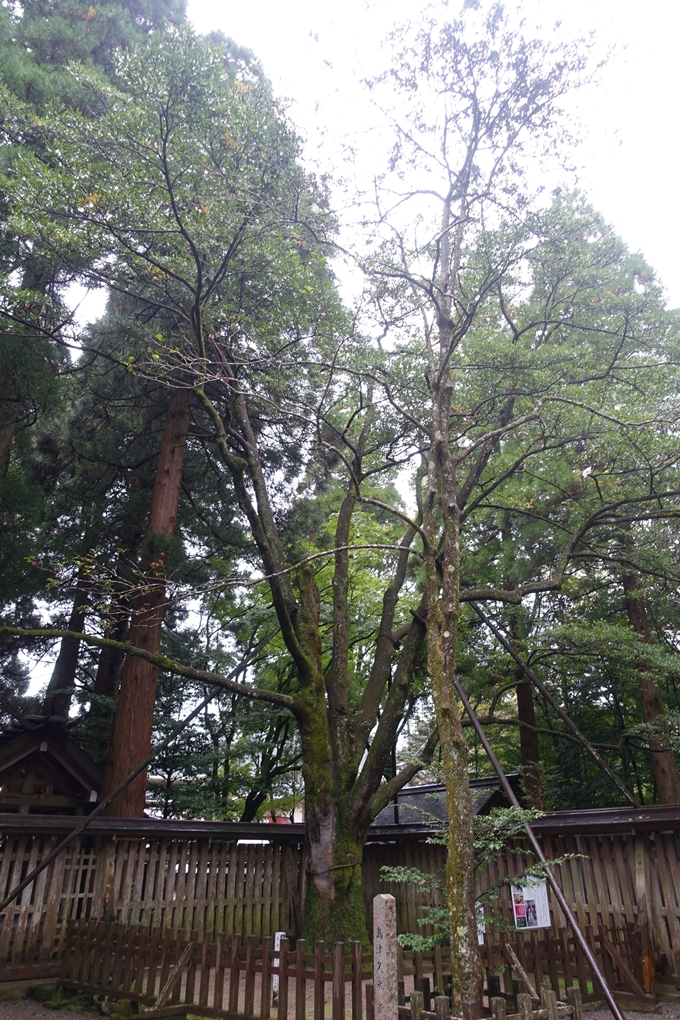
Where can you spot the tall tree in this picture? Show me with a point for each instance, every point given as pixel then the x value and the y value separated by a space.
pixel 37 42
pixel 522 346
pixel 653 708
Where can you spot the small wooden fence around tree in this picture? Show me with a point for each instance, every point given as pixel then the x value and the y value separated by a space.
pixel 228 976
pixel 223 977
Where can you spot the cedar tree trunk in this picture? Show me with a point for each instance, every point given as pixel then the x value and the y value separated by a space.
pixel 133 723
pixel 106 678
pixel 528 741
pixel 653 709
pixel 9 413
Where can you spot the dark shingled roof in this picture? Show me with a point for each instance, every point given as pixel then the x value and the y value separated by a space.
pixel 416 805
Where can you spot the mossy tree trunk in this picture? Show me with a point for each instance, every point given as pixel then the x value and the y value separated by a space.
pixel 441 528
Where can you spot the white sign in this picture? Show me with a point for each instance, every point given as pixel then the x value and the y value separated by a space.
pixel 530 905
pixel 278 935
pixel 481 923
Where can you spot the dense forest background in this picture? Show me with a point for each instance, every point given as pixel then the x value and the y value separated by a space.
pixel 241 473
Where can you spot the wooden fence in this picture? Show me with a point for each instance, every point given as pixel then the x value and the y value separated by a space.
pixel 216 978
pixel 526 962
pixel 615 879
pixel 221 976
pixel 210 884
pixel 194 885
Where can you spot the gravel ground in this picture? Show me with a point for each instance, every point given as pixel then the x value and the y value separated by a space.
pixel 668 1010
pixel 27 1009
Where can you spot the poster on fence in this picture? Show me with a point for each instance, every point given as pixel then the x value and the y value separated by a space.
pixel 530 905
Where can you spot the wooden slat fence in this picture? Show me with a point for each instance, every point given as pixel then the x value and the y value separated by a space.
pixel 545 958
pixel 171 975
pixel 257 889
pixel 224 976
pixel 619 879
pixel 183 886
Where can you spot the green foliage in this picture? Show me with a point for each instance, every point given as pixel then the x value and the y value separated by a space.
pixel 38 40
pixel 496 834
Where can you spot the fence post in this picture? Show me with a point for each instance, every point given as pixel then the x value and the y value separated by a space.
pixel 338 985
pixel 498 1007
pixel 357 977
pixel 301 980
pixel 319 980
pixel 249 998
pixel 234 976
pixel 575 1000
pixel 266 979
pixel 525 1006
pixel 370 1003
pixel 470 1010
pixel 282 1003
pixel 549 1002
pixel 417 1004
pixel 385 957
pixel 441 1007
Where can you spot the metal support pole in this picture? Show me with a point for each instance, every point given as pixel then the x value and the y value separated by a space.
pixel 552 881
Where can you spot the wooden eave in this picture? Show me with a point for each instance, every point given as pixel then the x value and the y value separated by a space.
pixel 596 821
pixel 60 747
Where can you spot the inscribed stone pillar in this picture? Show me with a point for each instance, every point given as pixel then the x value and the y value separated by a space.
pixel 385 957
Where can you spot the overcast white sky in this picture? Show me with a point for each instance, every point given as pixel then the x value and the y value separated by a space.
pixel 317 52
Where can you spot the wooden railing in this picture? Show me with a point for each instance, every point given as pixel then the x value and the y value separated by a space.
pixel 218 978
pixel 547 1008
pixel 527 962
pixel 230 976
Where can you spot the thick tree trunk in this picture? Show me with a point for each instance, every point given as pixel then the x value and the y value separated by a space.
pixel 110 662
pixel 528 740
pixel 653 708
pixel 334 904
pixel 133 723
pixel 59 693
